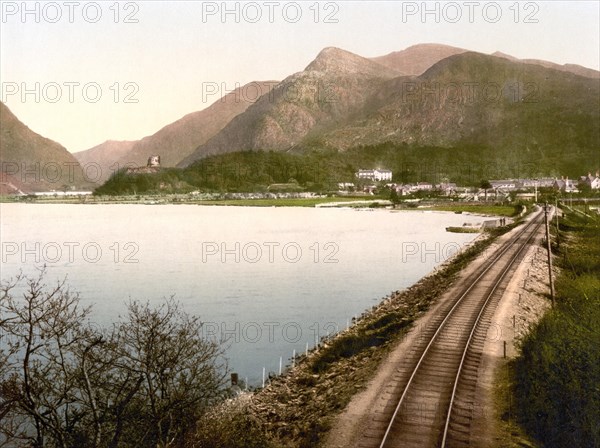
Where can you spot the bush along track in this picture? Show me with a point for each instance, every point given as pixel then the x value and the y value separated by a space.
pixel 556 378
pixel 298 408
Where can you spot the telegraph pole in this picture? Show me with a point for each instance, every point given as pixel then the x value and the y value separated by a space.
pixel 557 233
pixel 549 253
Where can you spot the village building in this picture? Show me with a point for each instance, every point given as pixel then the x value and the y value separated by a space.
pixel 565 185
pixel 376 175
pixel 447 188
pixel 346 186
pixel 504 184
pixel 544 182
pixel 424 186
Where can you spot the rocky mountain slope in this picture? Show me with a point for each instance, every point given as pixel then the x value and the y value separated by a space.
pixel 327 94
pixel 33 163
pixel 476 99
pixel 176 140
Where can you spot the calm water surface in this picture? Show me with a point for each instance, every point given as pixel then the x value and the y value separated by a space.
pixel 271 280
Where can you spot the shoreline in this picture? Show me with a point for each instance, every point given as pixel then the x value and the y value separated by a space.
pixel 326 203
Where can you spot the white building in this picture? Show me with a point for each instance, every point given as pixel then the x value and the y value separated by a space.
pixel 375 175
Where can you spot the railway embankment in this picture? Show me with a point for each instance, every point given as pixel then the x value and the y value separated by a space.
pixel 547 393
pixel 300 408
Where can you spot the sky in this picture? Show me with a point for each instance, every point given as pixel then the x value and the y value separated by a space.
pixel 81 72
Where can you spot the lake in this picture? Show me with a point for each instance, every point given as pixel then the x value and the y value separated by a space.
pixel 270 280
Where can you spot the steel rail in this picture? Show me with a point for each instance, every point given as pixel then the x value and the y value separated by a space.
pixel 507 246
pixel 508 267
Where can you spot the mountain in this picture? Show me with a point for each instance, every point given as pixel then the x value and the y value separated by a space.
pixel 336 89
pixel 479 99
pixel 104 156
pixel 415 60
pixel 569 68
pixel 33 163
pixel 325 95
pixel 510 110
pixel 177 140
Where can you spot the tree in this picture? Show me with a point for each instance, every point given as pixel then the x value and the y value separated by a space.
pixel 41 332
pixel 584 189
pixel 66 384
pixel 485 185
pixel 394 197
pixel 181 374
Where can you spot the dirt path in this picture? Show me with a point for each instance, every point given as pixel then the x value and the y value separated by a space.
pixel 526 305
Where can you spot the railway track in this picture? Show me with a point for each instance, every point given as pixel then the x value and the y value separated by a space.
pixel 430 401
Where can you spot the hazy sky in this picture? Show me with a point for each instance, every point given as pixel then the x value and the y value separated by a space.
pixel 93 71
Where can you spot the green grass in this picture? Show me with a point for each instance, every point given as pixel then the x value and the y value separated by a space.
pixel 299 202
pixel 485 209
pixel 165 199
pixel 557 376
pixel 507 431
pixel 373 334
pixel 462 230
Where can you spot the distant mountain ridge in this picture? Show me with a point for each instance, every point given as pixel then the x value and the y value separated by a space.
pixel 335 89
pixel 570 68
pixel 336 60
pixel 102 160
pixel 415 60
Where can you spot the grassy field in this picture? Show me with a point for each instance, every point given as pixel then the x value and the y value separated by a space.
pixel 292 202
pixel 301 202
pixel 360 201
pixel 585 210
pixel 557 375
pixel 484 209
